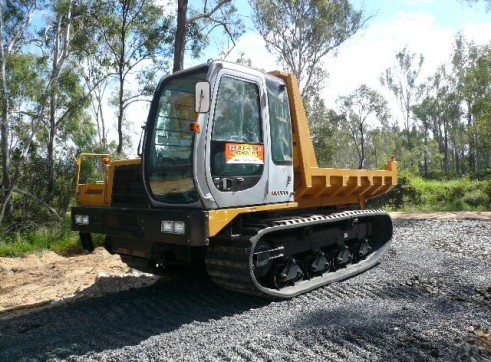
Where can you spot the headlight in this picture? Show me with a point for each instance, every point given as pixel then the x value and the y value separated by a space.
pixel 82 219
pixel 172 227
pixel 179 227
pixel 167 227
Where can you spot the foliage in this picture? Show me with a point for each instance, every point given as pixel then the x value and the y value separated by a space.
pixel 58 238
pixel 414 193
pixel 486 2
pixel 324 126
pixel 195 24
pixel 302 32
pixel 134 41
pixel 359 108
pixel 401 81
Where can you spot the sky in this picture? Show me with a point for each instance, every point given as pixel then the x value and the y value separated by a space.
pixel 424 26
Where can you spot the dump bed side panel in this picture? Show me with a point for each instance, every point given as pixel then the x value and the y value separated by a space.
pixel 314 186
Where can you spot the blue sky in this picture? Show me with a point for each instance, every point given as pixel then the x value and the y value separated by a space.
pixel 424 26
pixel 454 14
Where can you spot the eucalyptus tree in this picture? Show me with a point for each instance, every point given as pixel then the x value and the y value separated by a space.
pixel 325 126
pixel 15 20
pixel 194 26
pixel 359 108
pixel 401 80
pixel 98 78
pixel 301 33
pixel 472 67
pixel 439 113
pixel 66 38
pixel 136 39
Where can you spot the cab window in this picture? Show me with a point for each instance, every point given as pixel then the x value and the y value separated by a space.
pixel 237 148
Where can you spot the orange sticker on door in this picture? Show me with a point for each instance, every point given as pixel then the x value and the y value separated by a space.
pixel 242 153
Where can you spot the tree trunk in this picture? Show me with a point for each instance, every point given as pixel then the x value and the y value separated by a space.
pixel 50 192
pixel 362 147
pixel 121 74
pixel 445 145
pixel 471 138
pixel 180 39
pixel 425 155
pixel 4 126
pixel 120 113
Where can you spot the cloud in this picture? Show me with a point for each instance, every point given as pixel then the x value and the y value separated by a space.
pixel 480 33
pixel 362 59
pixel 254 48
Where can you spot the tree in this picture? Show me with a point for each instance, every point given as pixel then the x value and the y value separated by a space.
pixel 135 39
pixel 302 32
pixel 98 77
pixel 472 68
pixel 358 108
pixel 197 27
pixel 58 47
pixel 15 18
pixel 324 129
pixel 439 112
pixel 401 80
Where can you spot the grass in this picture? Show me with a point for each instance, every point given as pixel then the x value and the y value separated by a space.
pixel 454 195
pixel 417 194
pixel 59 239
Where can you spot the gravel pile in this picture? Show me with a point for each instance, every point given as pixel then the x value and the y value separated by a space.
pixel 429 299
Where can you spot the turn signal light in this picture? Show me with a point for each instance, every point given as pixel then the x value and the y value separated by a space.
pixel 195 127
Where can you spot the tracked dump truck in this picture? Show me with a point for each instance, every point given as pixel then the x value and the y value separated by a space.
pixel 228 177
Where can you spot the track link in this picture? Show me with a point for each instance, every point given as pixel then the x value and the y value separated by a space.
pixel 229 260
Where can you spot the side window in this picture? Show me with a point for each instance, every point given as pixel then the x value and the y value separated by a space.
pixel 237 148
pixel 237 112
pixel 281 126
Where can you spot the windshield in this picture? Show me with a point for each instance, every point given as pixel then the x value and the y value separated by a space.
pixel 169 158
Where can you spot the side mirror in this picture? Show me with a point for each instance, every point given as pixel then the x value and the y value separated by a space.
pixel 202 97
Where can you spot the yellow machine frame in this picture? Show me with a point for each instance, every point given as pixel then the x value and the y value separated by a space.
pixel 314 186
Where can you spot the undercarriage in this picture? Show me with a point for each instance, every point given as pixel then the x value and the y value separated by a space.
pixel 292 256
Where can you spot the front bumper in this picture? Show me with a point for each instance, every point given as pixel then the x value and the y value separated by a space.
pixel 144 224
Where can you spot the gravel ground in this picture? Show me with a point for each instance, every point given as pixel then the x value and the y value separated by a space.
pixel 429 299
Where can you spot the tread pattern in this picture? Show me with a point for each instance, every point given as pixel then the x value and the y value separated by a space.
pixel 229 260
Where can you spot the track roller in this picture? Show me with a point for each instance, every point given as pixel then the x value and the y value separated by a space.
pixel 361 249
pixel 286 273
pixel 341 257
pixel 315 264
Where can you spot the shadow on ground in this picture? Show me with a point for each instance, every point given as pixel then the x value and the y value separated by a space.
pixel 119 319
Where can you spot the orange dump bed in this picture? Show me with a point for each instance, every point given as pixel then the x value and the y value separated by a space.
pixel 316 186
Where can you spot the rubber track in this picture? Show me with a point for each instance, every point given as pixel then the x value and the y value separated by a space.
pixel 229 260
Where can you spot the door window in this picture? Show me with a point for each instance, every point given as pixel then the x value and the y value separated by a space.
pixel 237 148
pixel 280 122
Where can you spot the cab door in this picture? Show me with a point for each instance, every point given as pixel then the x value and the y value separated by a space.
pixel 280 181
pixel 237 146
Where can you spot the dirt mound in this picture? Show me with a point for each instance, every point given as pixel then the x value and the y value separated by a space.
pixel 41 279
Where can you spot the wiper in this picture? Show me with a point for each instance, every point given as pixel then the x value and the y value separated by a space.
pixel 139 150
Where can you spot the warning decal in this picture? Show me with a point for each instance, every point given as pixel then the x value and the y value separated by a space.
pixel 244 153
